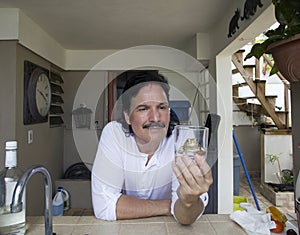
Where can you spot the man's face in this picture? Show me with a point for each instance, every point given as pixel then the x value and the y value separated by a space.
pixel 149 114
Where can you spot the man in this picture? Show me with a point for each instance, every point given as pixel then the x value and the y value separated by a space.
pixel 135 173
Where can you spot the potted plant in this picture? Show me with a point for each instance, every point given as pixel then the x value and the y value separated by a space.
pixel 287 34
pixel 285 176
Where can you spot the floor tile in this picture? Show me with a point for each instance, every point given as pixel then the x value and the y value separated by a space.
pixel 244 190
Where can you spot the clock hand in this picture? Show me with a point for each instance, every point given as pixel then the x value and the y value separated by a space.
pixel 44 97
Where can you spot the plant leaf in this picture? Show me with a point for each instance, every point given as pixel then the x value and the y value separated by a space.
pixel 275 32
pixel 287 11
pixel 293 30
pixel 274 70
pixel 257 51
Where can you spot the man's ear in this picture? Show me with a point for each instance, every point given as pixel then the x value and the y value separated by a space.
pixel 127 119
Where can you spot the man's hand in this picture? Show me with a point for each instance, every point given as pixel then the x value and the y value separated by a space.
pixel 194 177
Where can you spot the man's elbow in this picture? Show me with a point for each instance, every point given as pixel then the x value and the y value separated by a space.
pixel 103 215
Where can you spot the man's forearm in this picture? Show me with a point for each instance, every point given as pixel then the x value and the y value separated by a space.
pixel 187 214
pixel 131 207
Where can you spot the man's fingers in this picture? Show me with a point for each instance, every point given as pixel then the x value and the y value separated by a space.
pixel 202 164
pixel 178 174
pixel 187 170
pixel 193 171
pixel 204 169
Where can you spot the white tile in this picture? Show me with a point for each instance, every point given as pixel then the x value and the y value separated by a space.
pixel 198 228
pixel 143 228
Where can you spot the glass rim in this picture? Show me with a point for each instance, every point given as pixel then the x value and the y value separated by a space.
pixel 191 127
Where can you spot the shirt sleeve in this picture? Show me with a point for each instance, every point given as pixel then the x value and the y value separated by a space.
pixel 104 199
pixel 175 185
pixel 107 176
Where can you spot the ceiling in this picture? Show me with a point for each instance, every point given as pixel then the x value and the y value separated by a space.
pixel 118 24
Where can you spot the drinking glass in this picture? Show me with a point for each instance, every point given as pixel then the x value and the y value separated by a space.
pixel 191 140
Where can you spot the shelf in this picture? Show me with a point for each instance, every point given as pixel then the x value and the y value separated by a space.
pixel 56 121
pixel 56 109
pixel 56 89
pixel 56 99
pixel 56 78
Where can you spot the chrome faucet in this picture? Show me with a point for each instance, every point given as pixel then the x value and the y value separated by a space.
pixel 17 205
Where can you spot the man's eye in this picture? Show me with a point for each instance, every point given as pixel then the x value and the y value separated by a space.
pixel 163 107
pixel 141 109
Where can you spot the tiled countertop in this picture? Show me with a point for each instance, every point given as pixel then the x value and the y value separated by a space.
pixel 88 225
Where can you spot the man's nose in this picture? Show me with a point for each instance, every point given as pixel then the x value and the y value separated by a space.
pixel 154 115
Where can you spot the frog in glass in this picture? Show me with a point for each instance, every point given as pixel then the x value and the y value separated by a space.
pixel 190 148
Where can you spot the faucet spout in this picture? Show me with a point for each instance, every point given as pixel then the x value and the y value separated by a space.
pixel 17 204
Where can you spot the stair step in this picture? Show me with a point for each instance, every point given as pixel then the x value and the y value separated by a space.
pixel 247 68
pixel 259 81
pixel 240 84
pixel 267 96
pixel 239 55
pixel 282 115
pixel 260 87
pixel 255 109
pixel 249 108
pixel 270 98
pixel 273 131
pixel 239 100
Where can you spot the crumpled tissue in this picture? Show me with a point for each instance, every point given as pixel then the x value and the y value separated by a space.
pixel 259 223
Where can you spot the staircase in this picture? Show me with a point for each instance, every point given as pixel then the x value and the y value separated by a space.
pixel 266 104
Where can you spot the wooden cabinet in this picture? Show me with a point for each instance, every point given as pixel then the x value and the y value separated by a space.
pixel 56 109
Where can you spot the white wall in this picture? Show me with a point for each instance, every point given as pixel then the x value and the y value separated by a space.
pixel 225 159
pixel 280 145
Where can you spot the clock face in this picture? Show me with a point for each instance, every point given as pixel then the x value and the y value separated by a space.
pixel 39 95
pixel 43 94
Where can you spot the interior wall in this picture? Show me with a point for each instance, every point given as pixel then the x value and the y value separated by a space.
pixel 47 146
pixel 248 138
pixel 73 80
pixel 7 95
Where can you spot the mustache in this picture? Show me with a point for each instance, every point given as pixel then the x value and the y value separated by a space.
pixel 154 124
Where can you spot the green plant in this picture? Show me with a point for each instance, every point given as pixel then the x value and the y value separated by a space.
pixel 287 13
pixel 285 176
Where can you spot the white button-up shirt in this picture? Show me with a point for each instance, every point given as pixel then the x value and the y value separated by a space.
pixel 120 168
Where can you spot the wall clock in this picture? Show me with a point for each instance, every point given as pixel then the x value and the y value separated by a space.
pixel 37 95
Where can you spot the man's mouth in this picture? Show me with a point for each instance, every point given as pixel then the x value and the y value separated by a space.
pixel 154 125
